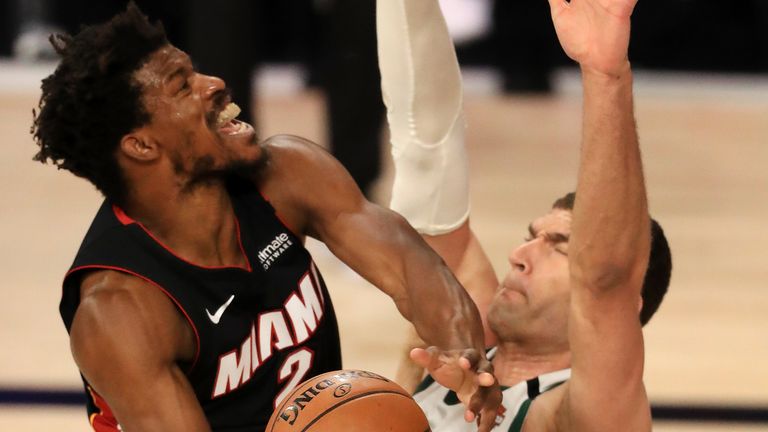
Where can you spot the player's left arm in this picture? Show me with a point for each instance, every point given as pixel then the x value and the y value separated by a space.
pixel 610 233
pixel 318 196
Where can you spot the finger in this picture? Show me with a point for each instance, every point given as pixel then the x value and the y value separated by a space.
pixel 486 379
pixel 477 400
pixel 486 421
pixel 470 359
pixel 427 358
pixel 469 416
pixel 485 404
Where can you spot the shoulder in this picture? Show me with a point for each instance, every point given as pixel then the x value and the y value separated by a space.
pixel 298 168
pixel 300 179
pixel 118 313
pixel 115 290
pixel 546 410
pixel 284 150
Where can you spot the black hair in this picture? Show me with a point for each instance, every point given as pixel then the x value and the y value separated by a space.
pixel 659 270
pixel 92 100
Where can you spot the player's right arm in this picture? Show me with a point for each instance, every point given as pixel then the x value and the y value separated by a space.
pixel 126 338
pixel 462 252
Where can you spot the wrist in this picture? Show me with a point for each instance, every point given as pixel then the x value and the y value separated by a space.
pixel 620 73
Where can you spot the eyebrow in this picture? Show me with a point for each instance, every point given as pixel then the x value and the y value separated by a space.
pixel 178 72
pixel 179 65
pixel 550 237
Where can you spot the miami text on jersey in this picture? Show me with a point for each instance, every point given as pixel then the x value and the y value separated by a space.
pixel 270 333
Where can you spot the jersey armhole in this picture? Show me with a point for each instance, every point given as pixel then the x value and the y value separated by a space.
pixel 94 267
pixel 278 215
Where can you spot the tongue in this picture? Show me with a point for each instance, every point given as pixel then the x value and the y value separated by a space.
pixel 230 126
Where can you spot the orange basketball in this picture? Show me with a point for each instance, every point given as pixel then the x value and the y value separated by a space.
pixel 348 400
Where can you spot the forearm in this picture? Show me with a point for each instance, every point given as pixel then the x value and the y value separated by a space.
pixel 610 219
pixel 382 247
pixel 440 309
pixel 421 84
pixel 423 287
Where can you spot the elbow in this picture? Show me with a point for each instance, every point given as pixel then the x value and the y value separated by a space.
pixel 604 266
pixel 607 273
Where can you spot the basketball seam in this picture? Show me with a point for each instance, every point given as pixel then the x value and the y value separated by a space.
pixel 350 400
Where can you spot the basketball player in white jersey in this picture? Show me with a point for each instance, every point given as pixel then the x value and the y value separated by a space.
pixel 566 319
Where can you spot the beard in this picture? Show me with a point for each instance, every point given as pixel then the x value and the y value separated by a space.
pixel 205 172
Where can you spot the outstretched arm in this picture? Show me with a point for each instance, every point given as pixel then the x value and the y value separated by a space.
pixel 380 245
pixel 421 84
pixel 610 232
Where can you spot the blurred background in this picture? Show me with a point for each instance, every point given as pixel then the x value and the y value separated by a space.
pixel 308 67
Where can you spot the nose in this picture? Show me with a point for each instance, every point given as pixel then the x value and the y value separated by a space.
pixel 521 257
pixel 211 85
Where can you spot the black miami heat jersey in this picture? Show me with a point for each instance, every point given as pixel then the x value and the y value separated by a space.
pixel 260 329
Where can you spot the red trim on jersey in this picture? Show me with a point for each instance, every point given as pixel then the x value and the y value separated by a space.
pixel 280 218
pixel 121 216
pixel 242 249
pixel 127 220
pixel 157 285
pixel 104 420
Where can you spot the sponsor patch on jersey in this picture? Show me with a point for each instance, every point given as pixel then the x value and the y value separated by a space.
pixel 272 251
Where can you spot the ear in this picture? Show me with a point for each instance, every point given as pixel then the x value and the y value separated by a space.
pixel 640 305
pixel 139 147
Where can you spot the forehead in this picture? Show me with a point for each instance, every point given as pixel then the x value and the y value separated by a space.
pixel 556 221
pixel 160 65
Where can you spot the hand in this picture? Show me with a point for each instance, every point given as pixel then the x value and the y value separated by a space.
pixel 594 33
pixel 470 375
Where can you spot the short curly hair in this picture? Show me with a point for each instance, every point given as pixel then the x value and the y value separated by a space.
pixel 92 100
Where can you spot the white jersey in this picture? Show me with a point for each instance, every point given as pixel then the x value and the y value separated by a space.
pixel 446 413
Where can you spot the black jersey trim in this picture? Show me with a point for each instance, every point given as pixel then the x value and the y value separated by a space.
pixel 157 285
pixel 533 388
pixel 127 220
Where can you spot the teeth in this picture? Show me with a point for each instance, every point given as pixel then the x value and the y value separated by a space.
pixel 229 113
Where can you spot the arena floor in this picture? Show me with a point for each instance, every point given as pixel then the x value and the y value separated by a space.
pixel 705 145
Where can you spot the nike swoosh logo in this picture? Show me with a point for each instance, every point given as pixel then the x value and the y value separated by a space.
pixel 217 316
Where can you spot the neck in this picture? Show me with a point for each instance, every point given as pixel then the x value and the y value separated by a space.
pixel 513 364
pixel 196 224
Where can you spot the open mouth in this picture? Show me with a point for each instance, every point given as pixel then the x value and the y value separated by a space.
pixel 227 123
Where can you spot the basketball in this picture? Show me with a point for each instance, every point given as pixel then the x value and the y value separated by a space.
pixel 348 400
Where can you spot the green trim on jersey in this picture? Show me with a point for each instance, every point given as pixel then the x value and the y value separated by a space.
pixel 517 423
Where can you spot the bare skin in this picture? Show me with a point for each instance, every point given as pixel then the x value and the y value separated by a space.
pixel 581 272
pixel 131 342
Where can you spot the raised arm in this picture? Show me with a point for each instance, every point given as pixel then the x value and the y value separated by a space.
pixel 421 84
pixel 126 338
pixel 610 232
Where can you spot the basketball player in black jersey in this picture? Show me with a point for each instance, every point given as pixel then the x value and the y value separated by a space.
pixel 192 304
